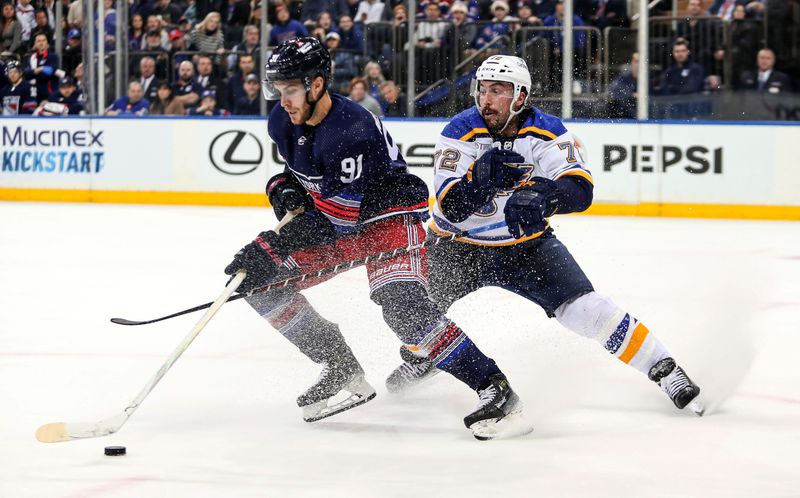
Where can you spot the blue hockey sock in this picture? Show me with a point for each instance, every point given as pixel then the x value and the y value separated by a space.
pixel 452 351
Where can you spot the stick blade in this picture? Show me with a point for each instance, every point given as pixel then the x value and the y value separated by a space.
pixel 123 321
pixel 52 433
pixel 60 431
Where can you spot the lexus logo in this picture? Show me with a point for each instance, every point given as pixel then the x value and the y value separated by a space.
pixel 235 152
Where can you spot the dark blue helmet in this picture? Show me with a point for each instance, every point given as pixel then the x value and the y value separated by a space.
pixel 297 59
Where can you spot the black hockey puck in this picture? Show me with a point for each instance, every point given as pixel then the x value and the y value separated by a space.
pixel 115 450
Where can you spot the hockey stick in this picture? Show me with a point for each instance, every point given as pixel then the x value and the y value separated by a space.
pixel 325 271
pixel 61 431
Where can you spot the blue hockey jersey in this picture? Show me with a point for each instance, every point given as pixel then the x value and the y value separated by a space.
pixel 349 164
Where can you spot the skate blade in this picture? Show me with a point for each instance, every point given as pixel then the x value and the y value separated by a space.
pixel 697 407
pixel 358 392
pixel 404 385
pixel 511 426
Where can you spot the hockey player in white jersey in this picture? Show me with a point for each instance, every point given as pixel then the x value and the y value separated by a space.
pixel 505 160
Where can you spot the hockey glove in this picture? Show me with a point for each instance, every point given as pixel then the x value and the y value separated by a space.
pixel 490 173
pixel 287 194
pixel 259 259
pixel 528 207
pixel 308 229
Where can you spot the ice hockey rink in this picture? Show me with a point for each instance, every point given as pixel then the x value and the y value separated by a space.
pixel 723 295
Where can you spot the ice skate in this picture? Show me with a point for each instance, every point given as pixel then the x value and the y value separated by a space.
pixel 339 387
pixel 414 370
pixel 499 412
pixel 678 386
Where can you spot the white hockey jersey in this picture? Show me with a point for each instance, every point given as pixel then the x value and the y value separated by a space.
pixel 547 146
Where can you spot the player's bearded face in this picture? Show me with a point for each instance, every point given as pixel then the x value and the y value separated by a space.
pixel 494 101
pixel 293 101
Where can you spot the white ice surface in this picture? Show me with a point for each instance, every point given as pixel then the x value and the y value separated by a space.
pixel 723 295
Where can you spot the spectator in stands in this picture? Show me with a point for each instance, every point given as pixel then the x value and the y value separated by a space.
pixel 352 37
pixel 165 102
pixel 42 26
pixel 16 97
pixel 169 12
pixel 285 28
pixel 325 25
pixel 136 33
pixel 27 18
pixel 75 14
pixel 623 92
pixel 684 76
pixel 399 15
pixel 313 8
pixel 766 79
pixel 177 44
pixel 249 103
pixel 465 29
pixel 147 77
pixel 208 106
pixel 369 11
pixel 109 26
pixel 235 88
pixel 358 94
pixel 556 38
pixel 704 36
pixel 395 100
pixel 236 15
pixel 73 51
pixel 185 25
pixel 373 76
pixel 206 78
pixel 500 26
pixel 10 30
pixel 186 89
pixel 542 9
pixel 43 68
pixel 344 63
pixel 133 104
pixel 526 17
pixel 745 40
pixel 154 24
pixel 152 45
pixel 207 36
pixel 724 8
pixel 67 94
pixel 250 45
pixel 190 14
pixel 607 13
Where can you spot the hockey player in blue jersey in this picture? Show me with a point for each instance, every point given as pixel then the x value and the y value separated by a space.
pixel 504 160
pixel 348 180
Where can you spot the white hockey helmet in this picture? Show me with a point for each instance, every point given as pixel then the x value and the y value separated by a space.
pixel 506 68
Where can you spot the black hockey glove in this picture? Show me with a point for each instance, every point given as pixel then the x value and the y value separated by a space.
pixel 259 259
pixel 528 207
pixel 490 173
pixel 287 194
pixel 308 229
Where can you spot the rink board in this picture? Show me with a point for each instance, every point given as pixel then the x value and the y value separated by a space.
pixel 717 170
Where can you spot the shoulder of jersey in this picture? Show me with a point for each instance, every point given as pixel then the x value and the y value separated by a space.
pixel 469 125
pixel 466 126
pixel 541 125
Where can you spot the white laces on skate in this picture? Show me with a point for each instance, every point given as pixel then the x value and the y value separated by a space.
pixel 486 396
pixel 673 383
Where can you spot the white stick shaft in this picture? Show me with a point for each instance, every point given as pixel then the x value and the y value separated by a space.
pixel 60 431
pixel 201 324
pixel 286 219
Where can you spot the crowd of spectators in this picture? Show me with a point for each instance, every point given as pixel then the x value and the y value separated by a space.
pixel 202 57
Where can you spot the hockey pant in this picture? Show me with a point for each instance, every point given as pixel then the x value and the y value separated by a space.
pixel 544 271
pixel 398 285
